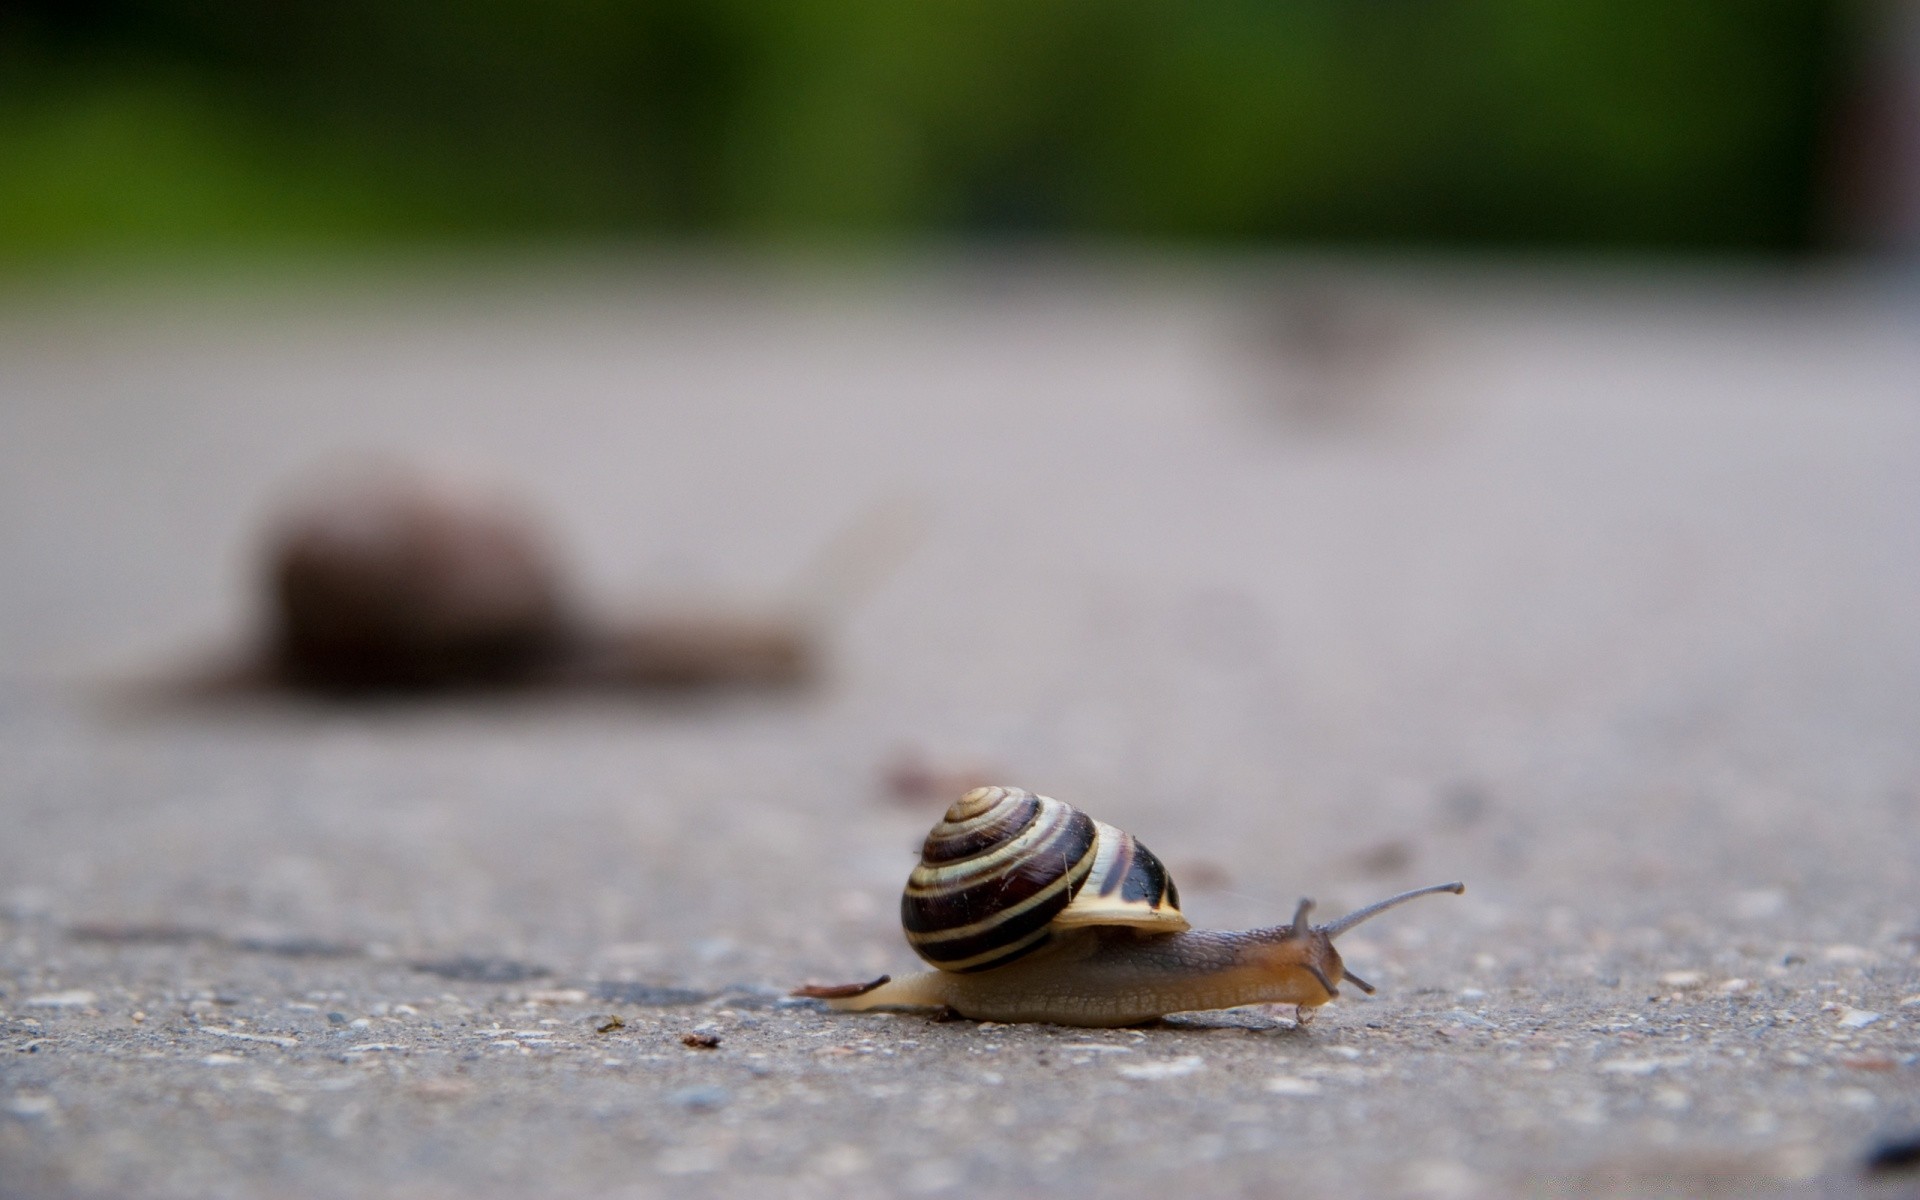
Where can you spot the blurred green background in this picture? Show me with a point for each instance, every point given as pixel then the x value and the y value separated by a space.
pixel 1658 124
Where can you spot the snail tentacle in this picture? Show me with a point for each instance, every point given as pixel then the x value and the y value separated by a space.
pixel 1336 928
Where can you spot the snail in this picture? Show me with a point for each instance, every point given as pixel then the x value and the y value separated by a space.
pixel 394 577
pixel 1034 911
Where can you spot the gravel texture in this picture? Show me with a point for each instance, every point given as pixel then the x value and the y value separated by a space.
pixel 1600 595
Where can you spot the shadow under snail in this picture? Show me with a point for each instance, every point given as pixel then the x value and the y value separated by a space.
pixel 1034 911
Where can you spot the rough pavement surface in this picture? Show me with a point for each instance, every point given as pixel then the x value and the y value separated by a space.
pixel 1605 600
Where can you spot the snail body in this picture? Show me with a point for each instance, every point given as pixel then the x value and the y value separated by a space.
pixel 399 578
pixel 1034 911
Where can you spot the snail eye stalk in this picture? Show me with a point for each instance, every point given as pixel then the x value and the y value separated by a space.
pixel 1373 910
pixel 1300 926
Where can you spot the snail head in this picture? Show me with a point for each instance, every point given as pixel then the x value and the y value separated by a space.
pixel 1310 947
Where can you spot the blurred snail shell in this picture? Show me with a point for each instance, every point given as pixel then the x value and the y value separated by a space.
pixel 398 577
pixel 1035 911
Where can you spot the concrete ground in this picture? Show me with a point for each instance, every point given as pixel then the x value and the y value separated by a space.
pixel 1600 594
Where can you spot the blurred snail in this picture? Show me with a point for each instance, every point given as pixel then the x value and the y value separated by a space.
pixel 1034 911
pixel 397 578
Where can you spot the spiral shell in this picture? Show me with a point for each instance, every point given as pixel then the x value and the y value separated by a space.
pixel 1005 868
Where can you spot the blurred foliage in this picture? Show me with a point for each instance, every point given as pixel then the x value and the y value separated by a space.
pixel 1649 123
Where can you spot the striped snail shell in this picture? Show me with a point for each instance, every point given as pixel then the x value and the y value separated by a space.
pixel 1005 868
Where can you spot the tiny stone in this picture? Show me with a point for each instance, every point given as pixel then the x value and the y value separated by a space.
pixel 336 1018
pixel 700 1041
pixel 1640 1066
pixel 1289 1085
pixel 1856 1018
pixel 29 1104
pixel 1869 1062
pixel 1683 979
pixel 842 1159
pixel 1172 1068
pixel 78 998
pixel 699 1099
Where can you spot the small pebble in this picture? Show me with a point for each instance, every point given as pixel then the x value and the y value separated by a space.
pixel 78 998
pixel 700 1041
pixel 1843 953
pixel 1290 1085
pixel 699 1099
pixel 1857 1018
pixel 1640 1066
pixel 1172 1068
pixel 1868 1062
pixel 32 1104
